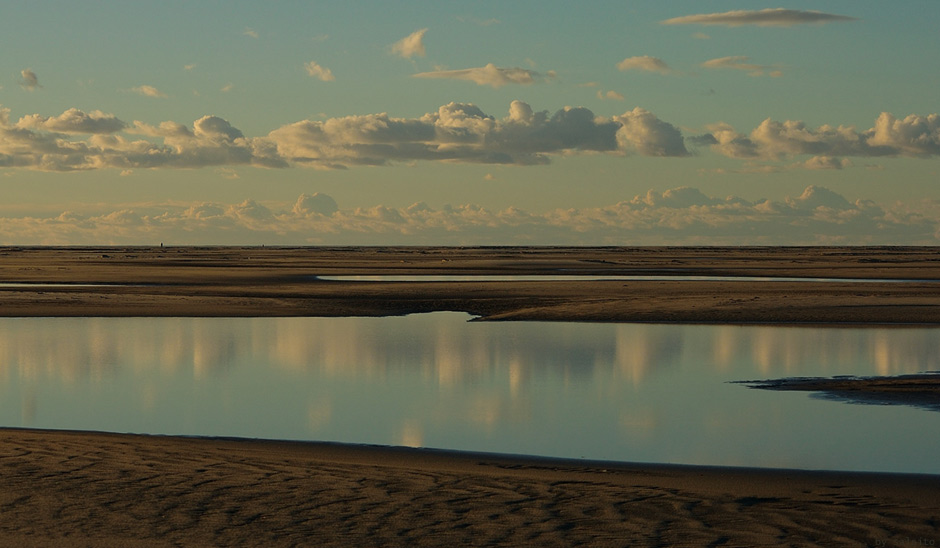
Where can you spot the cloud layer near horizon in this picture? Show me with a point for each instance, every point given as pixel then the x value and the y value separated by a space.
pixel 462 132
pixel 680 216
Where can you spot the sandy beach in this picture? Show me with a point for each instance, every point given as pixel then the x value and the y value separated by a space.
pixel 92 489
pixel 61 488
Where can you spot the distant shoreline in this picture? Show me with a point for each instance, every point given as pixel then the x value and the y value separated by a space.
pixel 266 281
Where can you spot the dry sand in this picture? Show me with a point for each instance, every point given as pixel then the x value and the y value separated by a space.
pixel 89 489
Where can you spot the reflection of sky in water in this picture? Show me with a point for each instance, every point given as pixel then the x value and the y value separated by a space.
pixel 637 392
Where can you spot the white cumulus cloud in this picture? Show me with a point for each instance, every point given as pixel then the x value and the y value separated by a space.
pixel 911 136
pixel 149 91
pixel 74 120
pixel 641 130
pixel 316 71
pixel 411 45
pixel 610 95
pixel 455 132
pixel 645 63
pixel 463 132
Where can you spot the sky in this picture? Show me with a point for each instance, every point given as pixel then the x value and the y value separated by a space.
pixel 480 123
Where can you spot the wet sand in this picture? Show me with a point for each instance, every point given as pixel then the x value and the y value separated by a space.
pixel 91 489
pixel 282 282
pixel 68 489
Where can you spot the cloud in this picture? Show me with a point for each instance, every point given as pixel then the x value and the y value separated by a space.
pixel 317 71
pixel 490 75
pixel 681 215
pixel 74 120
pixel 411 45
pixel 771 17
pixel 826 162
pixel 676 198
pixel 610 95
pixel 216 130
pixel 463 132
pixel 251 214
pixel 648 135
pixel 455 132
pixel 814 197
pixel 741 62
pixel 319 204
pixel 30 81
pixel 56 144
pixel 149 91
pixel 228 173
pixel 645 63
pixel 912 136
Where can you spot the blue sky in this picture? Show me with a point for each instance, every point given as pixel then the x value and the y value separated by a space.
pixel 484 123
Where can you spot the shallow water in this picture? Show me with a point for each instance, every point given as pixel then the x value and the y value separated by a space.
pixel 629 392
pixel 601 277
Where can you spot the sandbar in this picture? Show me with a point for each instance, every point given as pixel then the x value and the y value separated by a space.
pixel 258 281
pixel 917 390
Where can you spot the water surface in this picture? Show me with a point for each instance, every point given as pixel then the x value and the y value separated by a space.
pixel 628 392
pixel 601 277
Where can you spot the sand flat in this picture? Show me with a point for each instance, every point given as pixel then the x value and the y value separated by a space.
pixel 91 489
pixel 227 281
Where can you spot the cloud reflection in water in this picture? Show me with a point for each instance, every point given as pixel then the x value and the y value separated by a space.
pixel 623 391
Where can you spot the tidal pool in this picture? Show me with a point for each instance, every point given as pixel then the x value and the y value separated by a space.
pixel 599 277
pixel 626 392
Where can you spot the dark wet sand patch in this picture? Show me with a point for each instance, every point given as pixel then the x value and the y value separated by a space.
pixel 918 390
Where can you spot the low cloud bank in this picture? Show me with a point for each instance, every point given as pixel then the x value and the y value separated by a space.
pixel 680 216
